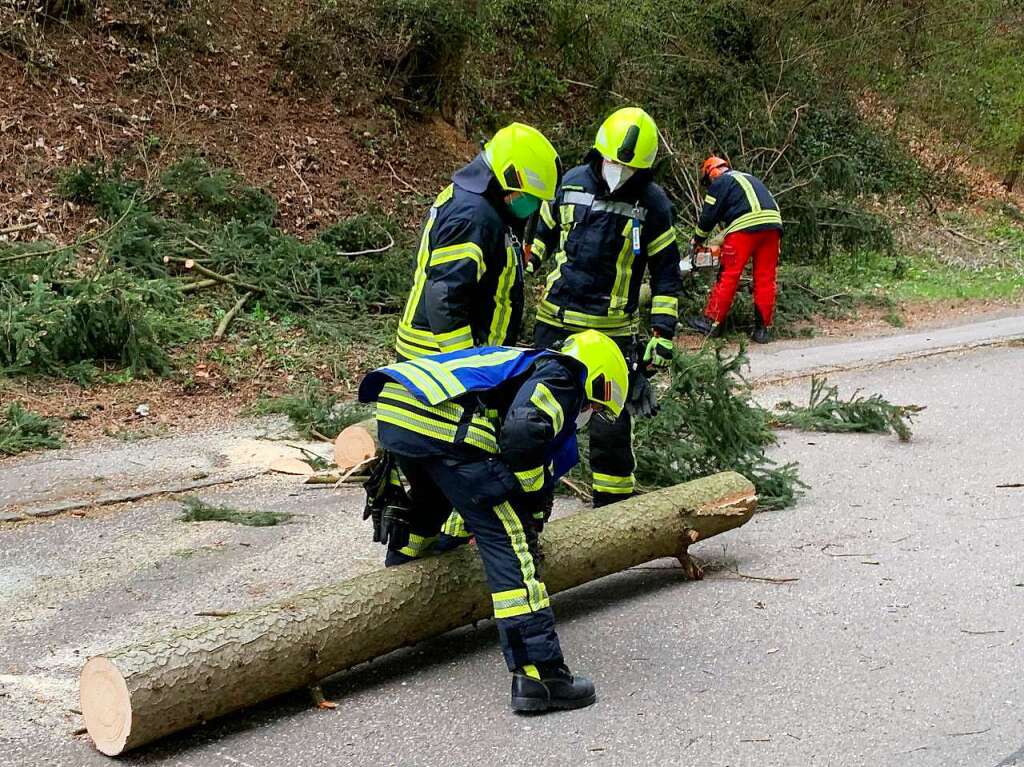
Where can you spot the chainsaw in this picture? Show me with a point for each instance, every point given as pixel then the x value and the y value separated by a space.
pixel 701 257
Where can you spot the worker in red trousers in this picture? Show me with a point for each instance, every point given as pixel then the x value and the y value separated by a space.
pixel 749 216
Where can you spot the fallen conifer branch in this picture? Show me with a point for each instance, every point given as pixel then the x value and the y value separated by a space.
pixel 192 264
pixel 826 412
pixel 225 321
pixel 192 287
pixel 76 243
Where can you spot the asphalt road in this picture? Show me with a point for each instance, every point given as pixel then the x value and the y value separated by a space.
pixel 895 637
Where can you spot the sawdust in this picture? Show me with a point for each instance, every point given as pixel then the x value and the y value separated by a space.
pixel 263 454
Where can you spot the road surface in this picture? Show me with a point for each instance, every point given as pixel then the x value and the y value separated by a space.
pixel 887 629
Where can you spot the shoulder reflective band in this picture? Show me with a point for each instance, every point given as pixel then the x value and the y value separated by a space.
pixel 578 198
pixel 622 208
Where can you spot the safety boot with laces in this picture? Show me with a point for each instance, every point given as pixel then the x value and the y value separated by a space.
pixel 543 688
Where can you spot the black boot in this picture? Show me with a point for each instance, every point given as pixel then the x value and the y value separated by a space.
pixel 761 334
pixel 556 688
pixel 702 324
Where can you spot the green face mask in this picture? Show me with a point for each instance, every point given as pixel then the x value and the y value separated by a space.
pixel 524 206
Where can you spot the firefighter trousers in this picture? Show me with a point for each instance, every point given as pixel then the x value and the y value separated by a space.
pixel 505 539
pixel 737 249
pixel 611 443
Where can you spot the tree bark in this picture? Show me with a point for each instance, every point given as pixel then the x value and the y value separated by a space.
pixel 137 694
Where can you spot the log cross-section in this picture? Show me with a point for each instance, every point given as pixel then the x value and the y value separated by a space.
pixel 137 694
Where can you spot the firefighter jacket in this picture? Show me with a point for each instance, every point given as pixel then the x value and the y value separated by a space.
pixel 738 202
pixel 601 244
pixel 516 404
pixel 468 285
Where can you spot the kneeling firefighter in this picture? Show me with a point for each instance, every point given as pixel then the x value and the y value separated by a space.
pixel 608 224
pixel 487 431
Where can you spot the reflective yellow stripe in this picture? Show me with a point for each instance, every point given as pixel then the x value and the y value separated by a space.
pixel 499 357
pixel 623 271
pixel 616 325
pixel 700 232
pixel 410 351
pixel 420 278
pixel 661 242
pixel 509 604
pixel 481 439
pixel 449 383
pixel 531 479
pixel 545 214
pixel 458 252
pixel 503 299
pixel 482 433
pixel 536 591
pixel 539 249
pixel 545 400
pixel 531 671
pixel 709 199
pixel 453 341
pixel 455 526
pixel 612 484
pixel 750 220
pixel 423 382
pixel 406 419
pixel 446 411
pixel 748 190
pixel 665 305
pixel 417 545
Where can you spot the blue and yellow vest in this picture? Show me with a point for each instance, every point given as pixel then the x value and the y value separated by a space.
pixel 425 406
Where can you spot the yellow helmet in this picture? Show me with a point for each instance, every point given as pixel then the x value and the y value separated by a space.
pixel 607 374
pixel 523 160
pixel 629 137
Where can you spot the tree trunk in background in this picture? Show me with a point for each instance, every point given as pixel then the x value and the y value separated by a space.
pixel 1016 164
pixel 137 694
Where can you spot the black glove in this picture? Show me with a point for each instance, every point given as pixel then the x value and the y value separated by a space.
pixel 642 400
pixel 387 503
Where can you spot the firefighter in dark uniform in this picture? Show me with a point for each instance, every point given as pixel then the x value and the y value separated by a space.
pixel 468 285
pixel 487 431
pixel 749 216
pixel 608 224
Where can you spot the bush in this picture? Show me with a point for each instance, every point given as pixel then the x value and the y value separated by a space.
pixel 22 430
pixel 52 326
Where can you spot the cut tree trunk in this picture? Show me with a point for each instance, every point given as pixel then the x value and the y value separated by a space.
pixel 356 444
pixel 140 693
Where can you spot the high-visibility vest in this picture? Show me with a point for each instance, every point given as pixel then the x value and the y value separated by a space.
pixel 421 396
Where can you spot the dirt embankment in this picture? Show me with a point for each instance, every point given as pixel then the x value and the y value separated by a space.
pixel 96 94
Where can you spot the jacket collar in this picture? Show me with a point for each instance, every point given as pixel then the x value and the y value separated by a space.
pixel 478 178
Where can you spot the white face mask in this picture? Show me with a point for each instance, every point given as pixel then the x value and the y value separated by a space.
pixel 584 418
pixel 615 175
